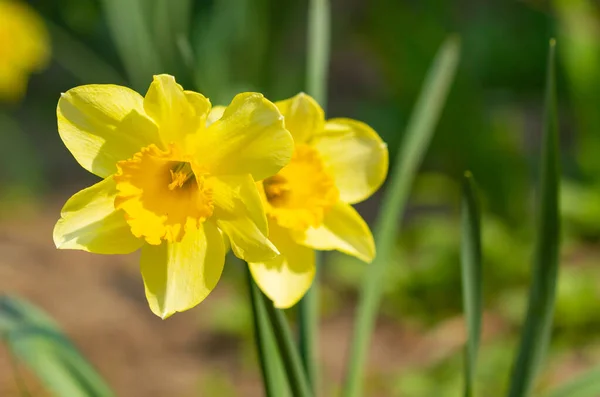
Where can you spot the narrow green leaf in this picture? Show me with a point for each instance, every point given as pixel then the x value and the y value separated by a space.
pixel 585 385
pixel 170 22
pixel 37 341
pixel 416 141
pixel 287 348
pixel 268 355
pixel 27 178
pixel 535 336
pixel 129 27
pixel 79 60
pixel 470 255
pixel 319 37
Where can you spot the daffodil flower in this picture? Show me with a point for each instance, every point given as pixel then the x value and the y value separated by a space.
pixel 336 163
pixel 24 47
pixel 177 179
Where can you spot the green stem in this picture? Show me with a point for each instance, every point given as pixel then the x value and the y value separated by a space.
pixel 308 326
pixel 267 351
pixel 318 50
pixel 291 359
pixel 317 67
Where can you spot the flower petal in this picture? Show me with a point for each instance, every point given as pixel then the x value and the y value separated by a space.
pixel 343 229
pixel 356 156
pixel 249 138
pixel 90 222
pixel 286 278
pixel 239 214
pixel 304 117
pixel 215 114
pixel 178 276
pixel 179 114
pixel 103 124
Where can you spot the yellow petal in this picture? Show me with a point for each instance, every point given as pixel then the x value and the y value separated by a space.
pixel 103 124
pixel 90 222
pixel 356 157
pixel 343 229
pixel 239 214
pixel 215 114
pixel 286 278
pixel 303 116
pixel 179 114
pixel 178 276
pixel 249 138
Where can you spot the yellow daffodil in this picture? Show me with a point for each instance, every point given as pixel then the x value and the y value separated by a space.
pixel 176 179
pixel 336 163
pixel 24 47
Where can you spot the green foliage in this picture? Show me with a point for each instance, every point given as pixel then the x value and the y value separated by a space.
pixel 471 277
pixel 535 336
pixel 419 132
pixel 37 341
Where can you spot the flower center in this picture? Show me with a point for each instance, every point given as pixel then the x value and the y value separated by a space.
pixel 163 194
pixel 300 194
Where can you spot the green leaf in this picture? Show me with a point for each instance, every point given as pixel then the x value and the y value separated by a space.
pixel 535 336
pixel 294 370
pixel 80 60
pixel 268 355
pixel 129 27
pixel 35 339
pixel 410 155
pixel 585 385
pixel 171 22
pixel 471 277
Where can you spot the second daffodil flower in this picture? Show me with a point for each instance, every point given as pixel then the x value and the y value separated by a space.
pixel 24 47
pixel 336 163
pixel 175 180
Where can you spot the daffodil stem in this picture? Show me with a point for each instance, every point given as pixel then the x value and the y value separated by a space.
pixel 308 327
pixel 317 65
pixel 317 68
pixel 287 348
pixel 268 355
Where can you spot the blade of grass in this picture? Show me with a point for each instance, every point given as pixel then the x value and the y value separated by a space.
pixel 471 276
pixel 268 356
pixel 291 359
pixel 170 22
pixel 317 67
pixel 585 385
pixel 129 27
pixel 416 141
pixel 535 336
pixel 38 342
pixel 79 60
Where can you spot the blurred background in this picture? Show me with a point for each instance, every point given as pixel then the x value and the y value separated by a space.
pixel 380 52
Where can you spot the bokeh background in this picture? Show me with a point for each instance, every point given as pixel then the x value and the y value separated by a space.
pixel 380 52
